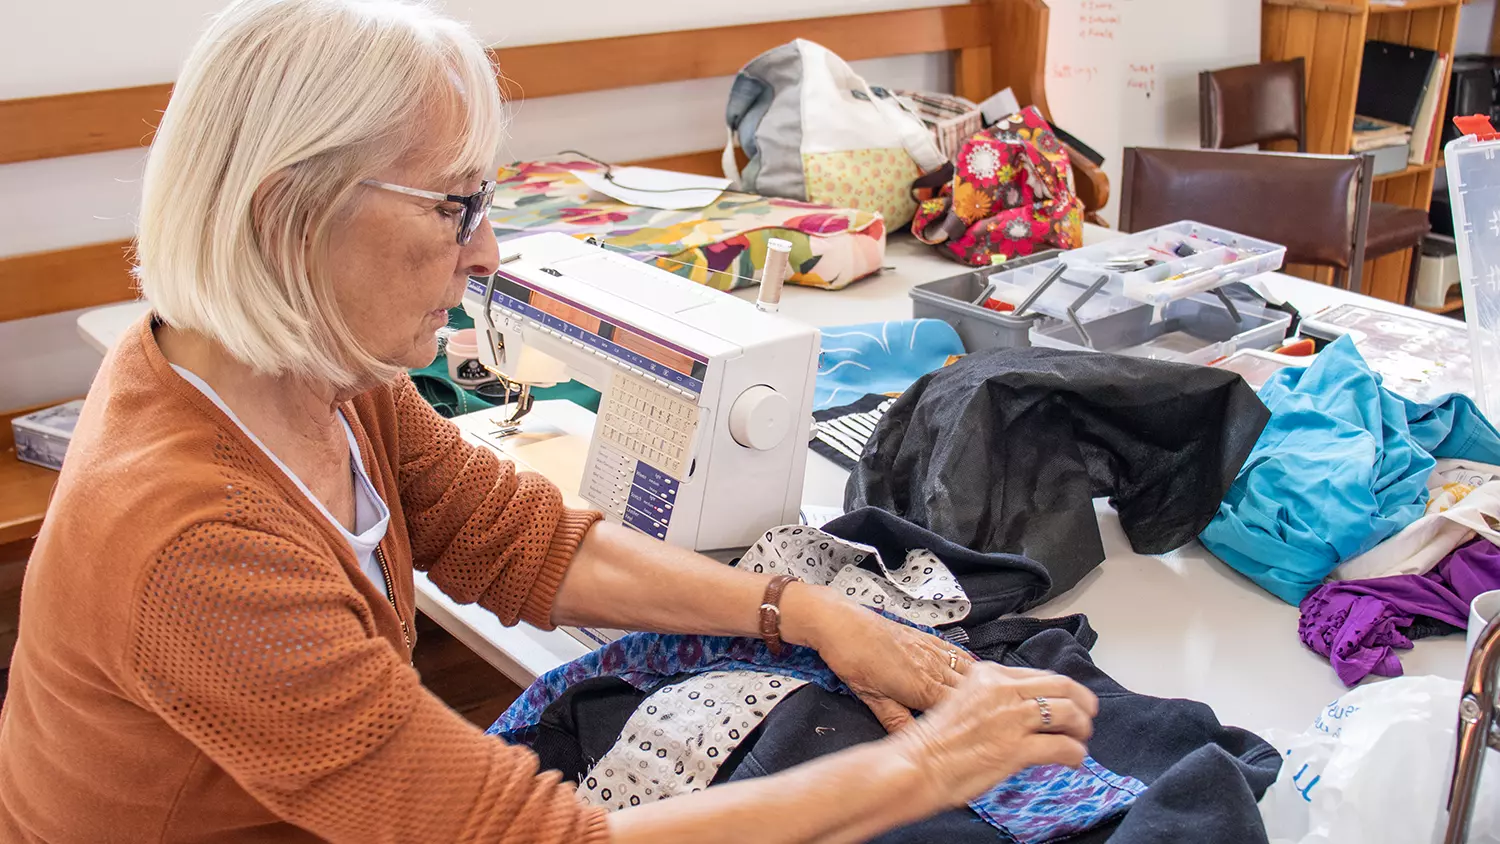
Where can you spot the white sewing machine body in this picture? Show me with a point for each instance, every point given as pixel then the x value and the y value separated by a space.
pixel 705 399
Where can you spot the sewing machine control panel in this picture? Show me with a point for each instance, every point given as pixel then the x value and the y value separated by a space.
pixel 645 438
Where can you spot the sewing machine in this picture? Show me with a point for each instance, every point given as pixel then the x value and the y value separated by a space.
pixel 706 400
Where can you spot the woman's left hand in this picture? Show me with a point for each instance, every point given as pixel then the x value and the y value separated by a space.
pixel 893 668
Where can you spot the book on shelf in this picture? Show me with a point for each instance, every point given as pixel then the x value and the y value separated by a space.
pixel 1390 159
pixel 1429 113
pixel 1392 81
pixel 1371 133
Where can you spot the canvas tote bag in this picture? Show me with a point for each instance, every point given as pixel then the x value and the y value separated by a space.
pixel 814 130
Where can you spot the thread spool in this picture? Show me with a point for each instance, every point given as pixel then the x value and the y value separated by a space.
pixel 773 277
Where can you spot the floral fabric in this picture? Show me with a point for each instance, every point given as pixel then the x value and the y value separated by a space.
pixel 722 245
pixel 1008 195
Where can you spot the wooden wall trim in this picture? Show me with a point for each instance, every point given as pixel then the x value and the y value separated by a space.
pixel 1321 6
pixel 61 280
pixel 77 124
pixel 124 118
pixel 572 67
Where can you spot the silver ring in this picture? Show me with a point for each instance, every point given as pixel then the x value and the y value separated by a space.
pixel 953 660
pixel 1045 707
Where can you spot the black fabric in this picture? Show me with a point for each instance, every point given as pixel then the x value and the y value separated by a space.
pixel 583 723
pixel 1423 627
pixel 815 722
pixel 997 584
pixel 1004 452
pixel 1204 778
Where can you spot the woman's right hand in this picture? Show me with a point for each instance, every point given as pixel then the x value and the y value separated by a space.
pixel 991 726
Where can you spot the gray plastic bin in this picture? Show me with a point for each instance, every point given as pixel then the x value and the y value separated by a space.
pixel 1198 329
pixel 951 300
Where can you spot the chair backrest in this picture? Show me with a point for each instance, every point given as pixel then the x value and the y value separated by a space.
pixel 1253 104
pixel 1315 205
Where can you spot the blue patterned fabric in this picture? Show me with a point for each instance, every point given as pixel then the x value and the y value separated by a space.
pixel 880 358
pixel 1041 804
pixel 1051 802
pixel 645 660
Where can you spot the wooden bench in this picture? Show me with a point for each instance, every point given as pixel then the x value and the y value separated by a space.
pixel 995 44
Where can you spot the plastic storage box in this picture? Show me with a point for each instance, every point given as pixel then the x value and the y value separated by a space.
pixel 1199 329
pixel 955 301
pixel 1152 267
pixel 42 437
pixel 1080 298
pixel 1474 189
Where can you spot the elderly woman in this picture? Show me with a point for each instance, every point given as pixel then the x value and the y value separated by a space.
pixel 217 625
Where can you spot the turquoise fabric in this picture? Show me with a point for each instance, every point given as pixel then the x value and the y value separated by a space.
pixel 1342 466
pixel 880 357
pixel 449 399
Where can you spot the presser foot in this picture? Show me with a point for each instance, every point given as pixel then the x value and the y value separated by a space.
pixel 519 408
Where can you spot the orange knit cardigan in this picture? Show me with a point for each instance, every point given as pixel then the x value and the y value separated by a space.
pixel 202 659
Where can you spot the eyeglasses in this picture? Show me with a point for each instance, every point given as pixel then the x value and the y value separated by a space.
pixel 476 205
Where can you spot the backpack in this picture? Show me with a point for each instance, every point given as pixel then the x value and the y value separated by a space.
pixel 1006 194
pixel 815 131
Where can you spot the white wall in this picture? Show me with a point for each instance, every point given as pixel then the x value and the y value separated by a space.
pixel 1474 24
pixel 53 47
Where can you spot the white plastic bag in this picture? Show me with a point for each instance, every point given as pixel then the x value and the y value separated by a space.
pixel 1374 768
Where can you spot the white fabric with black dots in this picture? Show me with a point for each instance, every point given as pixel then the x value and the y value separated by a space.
pixel 680 735
pixel 921 590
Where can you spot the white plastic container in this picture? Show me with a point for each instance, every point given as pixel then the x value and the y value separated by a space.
pixel 1187 258
pixel 464 365
pixel 1474 188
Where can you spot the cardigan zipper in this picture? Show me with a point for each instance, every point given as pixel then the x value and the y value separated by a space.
pixel 390 591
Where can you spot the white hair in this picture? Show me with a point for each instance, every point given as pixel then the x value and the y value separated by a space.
pixel 283 107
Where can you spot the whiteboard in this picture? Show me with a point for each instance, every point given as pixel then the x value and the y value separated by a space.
pixel 1125 72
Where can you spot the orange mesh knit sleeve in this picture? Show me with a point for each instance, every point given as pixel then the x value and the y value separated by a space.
pixel 483 532
pixel 262 655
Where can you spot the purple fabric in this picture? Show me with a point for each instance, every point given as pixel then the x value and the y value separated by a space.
pixel 1359 624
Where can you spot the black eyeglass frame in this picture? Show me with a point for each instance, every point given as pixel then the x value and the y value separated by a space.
pixel 476 205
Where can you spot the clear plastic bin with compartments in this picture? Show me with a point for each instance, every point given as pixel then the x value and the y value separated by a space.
pixel 1474 188
pixel 1152 294
pixel 1152 267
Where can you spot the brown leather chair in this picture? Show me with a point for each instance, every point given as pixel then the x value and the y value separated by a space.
pixel 1260 103
pixel 1315 205
pixel 1253 104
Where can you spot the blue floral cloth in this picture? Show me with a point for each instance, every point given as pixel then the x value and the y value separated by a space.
pixel 1041 804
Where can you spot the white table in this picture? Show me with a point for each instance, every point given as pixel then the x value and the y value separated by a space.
pixel 1182 625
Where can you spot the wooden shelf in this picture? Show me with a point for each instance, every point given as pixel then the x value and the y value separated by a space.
pixel 24 489
pixel 1330 36
pixel 1411 170
pixel 1412 5
pixel 1455 303
pixel 24 492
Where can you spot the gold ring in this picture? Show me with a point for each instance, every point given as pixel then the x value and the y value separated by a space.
pixel 953 660
pixel 1045 707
